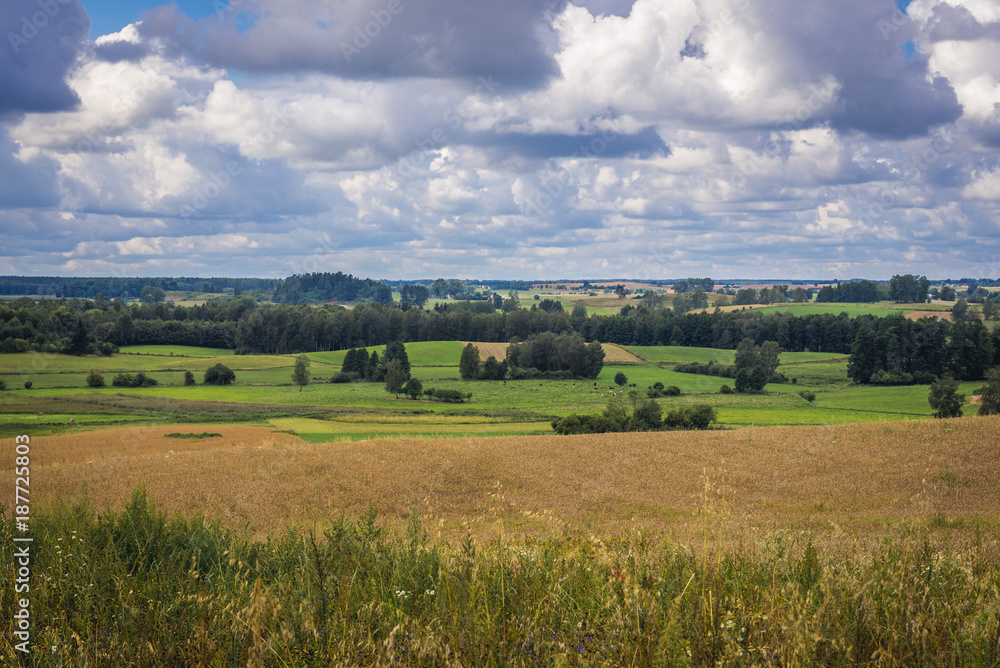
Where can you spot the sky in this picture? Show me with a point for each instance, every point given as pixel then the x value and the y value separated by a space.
pixel 529 139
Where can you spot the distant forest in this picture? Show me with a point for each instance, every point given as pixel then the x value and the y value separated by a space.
pixel 888 350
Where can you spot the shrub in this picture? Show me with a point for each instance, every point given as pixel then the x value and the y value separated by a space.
pixel 808 396
pixel 413 388
pixel 699 416
pixel 672 391
pixel 188 378
pixel 341 377
pixel 725 389
pixel 95 379
pixel 621 379
pixel 27 384
pixel 447 396
pixel 133 380
pixel 219 374
pixel 3 386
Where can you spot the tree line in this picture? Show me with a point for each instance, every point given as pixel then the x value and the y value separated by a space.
pixel 891 344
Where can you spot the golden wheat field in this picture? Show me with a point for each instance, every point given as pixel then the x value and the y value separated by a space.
pixel 838 482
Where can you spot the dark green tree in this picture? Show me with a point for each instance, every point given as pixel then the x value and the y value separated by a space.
pixel 395 350
pixel 151 294
pixel 80 343
pixel 469 364
pixel 593 360
pixel 219 374
pixel 960 311
pixel 355 361
pixel 989 397
pixel 864 356
pixel 747 355
pixel 188 378
pixel 621 379
pixel 413 388
pixel 945 399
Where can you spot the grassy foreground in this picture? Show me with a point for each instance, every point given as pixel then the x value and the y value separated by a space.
pixel 137 588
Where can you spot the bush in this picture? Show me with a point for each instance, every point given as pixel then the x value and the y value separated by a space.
pixel 808 396
pixel 699 416
pixel 413 388
pixel 219 374
pixel 133 380
pixel 3 386
pixel 447 396
pixel 95 379
pixel 341 377
pixel 188 378
pixel 657 390
pixel 621 379
pixel 711 368
pixel 725 389
pixel 27 384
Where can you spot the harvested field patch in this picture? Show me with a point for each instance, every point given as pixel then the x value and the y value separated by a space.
pixel 124 444
pixel 938 315
pixel 838 482
pixel 613 353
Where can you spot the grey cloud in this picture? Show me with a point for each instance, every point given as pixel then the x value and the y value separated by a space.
pixel 950 22
pixel 41 41
pixel 119 50
pixel 644 144
pixel 881 92
pixel 430 38
pixel 31 184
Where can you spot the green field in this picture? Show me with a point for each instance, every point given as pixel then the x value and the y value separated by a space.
pixel 264 392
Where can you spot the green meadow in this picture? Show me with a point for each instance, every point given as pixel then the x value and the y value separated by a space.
pixel 265 394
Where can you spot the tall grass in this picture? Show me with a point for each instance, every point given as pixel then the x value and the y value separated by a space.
pixel 138 588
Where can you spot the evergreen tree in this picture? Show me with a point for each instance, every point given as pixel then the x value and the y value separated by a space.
pixel 395 350
pixel 80 343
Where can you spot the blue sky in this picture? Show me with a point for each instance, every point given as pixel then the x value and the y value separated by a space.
pixel 423 138
pixel 108 16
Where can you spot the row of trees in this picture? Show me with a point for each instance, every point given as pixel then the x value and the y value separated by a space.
pixel 854 291
pixel 323 287
pixel 247 327
pixel 897 351
pixel 646 415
